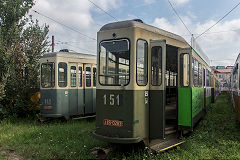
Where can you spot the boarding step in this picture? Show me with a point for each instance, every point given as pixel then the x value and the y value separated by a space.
pixel 163 145
pixel 171 110
pixel 170 129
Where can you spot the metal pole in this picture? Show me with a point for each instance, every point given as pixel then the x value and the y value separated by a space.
pixel 52 43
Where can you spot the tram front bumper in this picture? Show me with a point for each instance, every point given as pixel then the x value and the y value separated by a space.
pixel 116 139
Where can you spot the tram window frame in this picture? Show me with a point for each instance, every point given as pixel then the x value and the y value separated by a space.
pixel 159 79
pixel 145 63
pixel 80 76
pixel 52 81
pixel 73 76
pixel 182 66
pixel 94 76
pixel 204 77
pixel 88 80
pixel 102 77
pixel 65 67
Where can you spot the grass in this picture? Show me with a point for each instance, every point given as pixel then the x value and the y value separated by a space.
pixel 69 140
pixel 217 136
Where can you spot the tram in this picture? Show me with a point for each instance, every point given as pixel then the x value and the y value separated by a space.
pixel 235 87
pixel 67 84
pixel 152 86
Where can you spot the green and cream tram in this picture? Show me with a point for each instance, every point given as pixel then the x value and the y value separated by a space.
pixel 151 85
pixel 68 84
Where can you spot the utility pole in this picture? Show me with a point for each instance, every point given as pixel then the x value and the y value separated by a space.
pixel 52 43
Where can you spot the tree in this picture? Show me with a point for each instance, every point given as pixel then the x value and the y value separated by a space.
pixel 11 24
pixel 22 42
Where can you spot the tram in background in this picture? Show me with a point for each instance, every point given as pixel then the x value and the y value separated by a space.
pixel 67 84
pixel 152 86
pixel 235 87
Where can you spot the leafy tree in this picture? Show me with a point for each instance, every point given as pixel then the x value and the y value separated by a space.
pixel 22 42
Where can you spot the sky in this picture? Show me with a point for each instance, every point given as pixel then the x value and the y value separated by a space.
pixel 221 44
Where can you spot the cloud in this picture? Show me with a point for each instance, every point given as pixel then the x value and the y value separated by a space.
pixel 149 1
pixel 221 42
pixel 179 2
pixel 79 15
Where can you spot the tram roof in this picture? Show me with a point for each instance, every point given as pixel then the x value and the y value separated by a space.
pixel 132 23
pixel 70 55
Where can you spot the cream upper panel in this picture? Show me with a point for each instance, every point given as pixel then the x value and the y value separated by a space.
pixel 133 34
pixel 147 35
pixel 199 59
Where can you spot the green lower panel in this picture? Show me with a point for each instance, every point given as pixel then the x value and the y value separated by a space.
pixel 197 100
pixel 88 101
pixel 184 106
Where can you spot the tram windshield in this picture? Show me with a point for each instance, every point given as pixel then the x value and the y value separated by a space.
pixel 114 62
pixel 47 75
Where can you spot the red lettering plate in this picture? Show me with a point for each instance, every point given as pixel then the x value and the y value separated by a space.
pixel 116 123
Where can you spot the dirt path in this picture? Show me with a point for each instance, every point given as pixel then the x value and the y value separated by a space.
pixel 9 154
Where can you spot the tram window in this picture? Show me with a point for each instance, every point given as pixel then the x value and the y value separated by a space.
pixel 88 77
pixel 47 75
pixel 62 74
pixel 208 78
pixel 142 74
pixel 195 72
pixel 156 65
pixel 114 59
pixel 73 76
pixel 80 76
pixel 200 73
pixel 184 69
pixel 94 77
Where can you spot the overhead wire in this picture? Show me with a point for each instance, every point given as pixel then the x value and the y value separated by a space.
pixel 66 43
pixel 219 20
pixel 179 17
pixel 213 32
pixel 103 10
pixel 66 26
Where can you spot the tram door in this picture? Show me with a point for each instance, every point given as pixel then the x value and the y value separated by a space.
pixel 73 90
pixel 157 89
pixel 88 89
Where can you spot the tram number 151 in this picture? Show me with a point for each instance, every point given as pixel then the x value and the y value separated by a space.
pixel 113 99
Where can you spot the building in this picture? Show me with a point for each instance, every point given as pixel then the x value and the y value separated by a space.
pixel 224 74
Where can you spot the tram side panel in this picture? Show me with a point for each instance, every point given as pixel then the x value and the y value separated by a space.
pixel 197 103
pixel 236 101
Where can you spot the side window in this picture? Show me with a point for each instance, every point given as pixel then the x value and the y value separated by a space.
pixel 208 79
pixel 184 69
pixel 94 76
pixel 195 72
pixel 73 76
pixel 62 74
pixel 200 73
pixel 88 77
pixel 142 66
pixel 156 65
pixel 80 76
